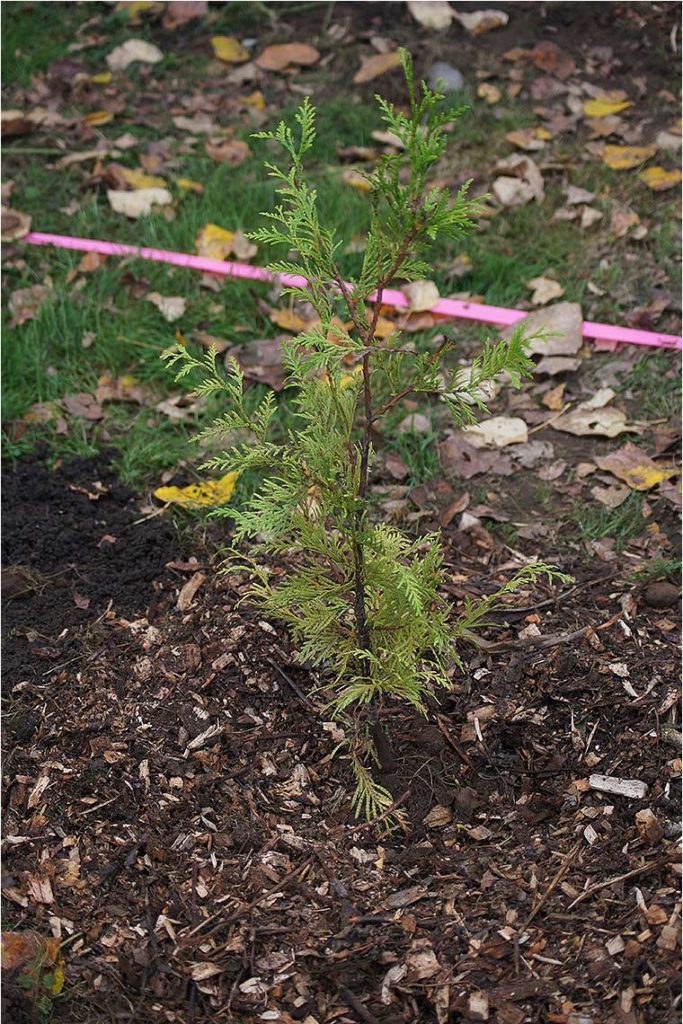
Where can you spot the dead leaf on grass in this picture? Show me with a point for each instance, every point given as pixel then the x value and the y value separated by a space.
pixel 133 50
pixel 285 55
pixel 593 418
pixel 606 104
pixel 139 203
pixel 227 151
pixel 214 242
pixel 211 341
pixel 478 22
pixel 434 14
pixel 623 158
pixel 356 180
pixel 198 124
pixel 527 138
pixel 261 361
pixel 562 323
pixel 139 180
pixel 610 497
pixel 489 93
pixel 290 320
pixel 422 295
pixel 635 468
pixel 181 12
pixel 544 290
pixel 497 432
pixel 209 494
pixel 171 307
pixel 549 57
pixel 659 179
pixel 378 64
pixel 83 405
pixel 24 303
pixel 229 50
pixel 14 224
pixel 622 219
pixel 28 949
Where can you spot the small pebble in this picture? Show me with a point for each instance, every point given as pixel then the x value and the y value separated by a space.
pixel 445 78
pixel 661 595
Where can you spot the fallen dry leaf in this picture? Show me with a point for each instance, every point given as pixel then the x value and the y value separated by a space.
pixel 28 949
pixel 227 151
pixel 355 179
pixel 82 405
pixel 588 217
pixel 209 494
pixel 139 203
pixel 171 307
pixel 622 219
pixel 198 124
pixel 261 361
pixel 497 432
pixel 605 106
pixel 229 49
pixel 478 22
pixel 188 590
pixel 578 196
pixel 24 303
pixel 214 242
pixel 527 138
pixel 242 248
pixel 181 12
pixel 635 468
pixel 489 92
pixel 623 158
pixel 188 185
pixel 138 179
pixel 592 418
pixel 551 58
pixel 434 14
pixel 14 224
pixel 284 55
pixel 378 64
pixel 290 320
pixel 544 290
pixel 610 497
pixel 659 179
pixel 553 399
pixel 133 50
pixel 422 295
pixel 562 324
pixel 512 191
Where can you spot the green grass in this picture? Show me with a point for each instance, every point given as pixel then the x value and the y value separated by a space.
pixel 622 524
pixel 419 453
pixel 654 382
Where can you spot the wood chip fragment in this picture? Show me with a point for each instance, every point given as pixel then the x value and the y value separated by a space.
pixel 632 789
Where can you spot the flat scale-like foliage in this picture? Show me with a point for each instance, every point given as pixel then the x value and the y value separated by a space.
pixel 363 601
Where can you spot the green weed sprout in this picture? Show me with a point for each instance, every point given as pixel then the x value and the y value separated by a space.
pixel 362 600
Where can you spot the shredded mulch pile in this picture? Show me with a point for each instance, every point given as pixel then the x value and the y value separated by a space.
pixel 173 810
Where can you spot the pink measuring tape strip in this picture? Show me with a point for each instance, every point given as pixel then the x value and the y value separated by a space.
pixel 453 308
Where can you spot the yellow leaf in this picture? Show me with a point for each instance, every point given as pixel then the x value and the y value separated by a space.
pixel 635 468
pixel 134 8
pixel 350 378
pixel 210 494
pixel 138 179
pixel 57 979
pixel 97 117
pixel 605 107
pixel 101 78
pixel 229 49
pixel 623 158
pixel 187 185
pixel 255 100
pixel 288 320
pixel 214 242
pixel 385 328
pixel 659 179
pixel 490 93
pixel 543 134
pixel 356 180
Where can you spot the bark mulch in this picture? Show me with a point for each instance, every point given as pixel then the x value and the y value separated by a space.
pixel 173 810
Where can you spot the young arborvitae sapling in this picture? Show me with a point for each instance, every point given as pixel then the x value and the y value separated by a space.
pixel 362 599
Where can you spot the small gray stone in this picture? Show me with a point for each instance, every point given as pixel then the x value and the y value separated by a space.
pixel 445 78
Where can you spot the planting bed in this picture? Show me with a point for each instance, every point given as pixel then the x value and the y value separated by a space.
pixel 173 810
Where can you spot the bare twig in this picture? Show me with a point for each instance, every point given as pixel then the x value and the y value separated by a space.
pixel 651 866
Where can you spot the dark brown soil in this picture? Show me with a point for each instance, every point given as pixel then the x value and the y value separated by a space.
pixel 192 838
pixel 72 546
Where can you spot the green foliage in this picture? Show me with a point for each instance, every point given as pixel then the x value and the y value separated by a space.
pixel 363 601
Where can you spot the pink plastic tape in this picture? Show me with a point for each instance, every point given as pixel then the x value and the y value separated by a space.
pixel 453 308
